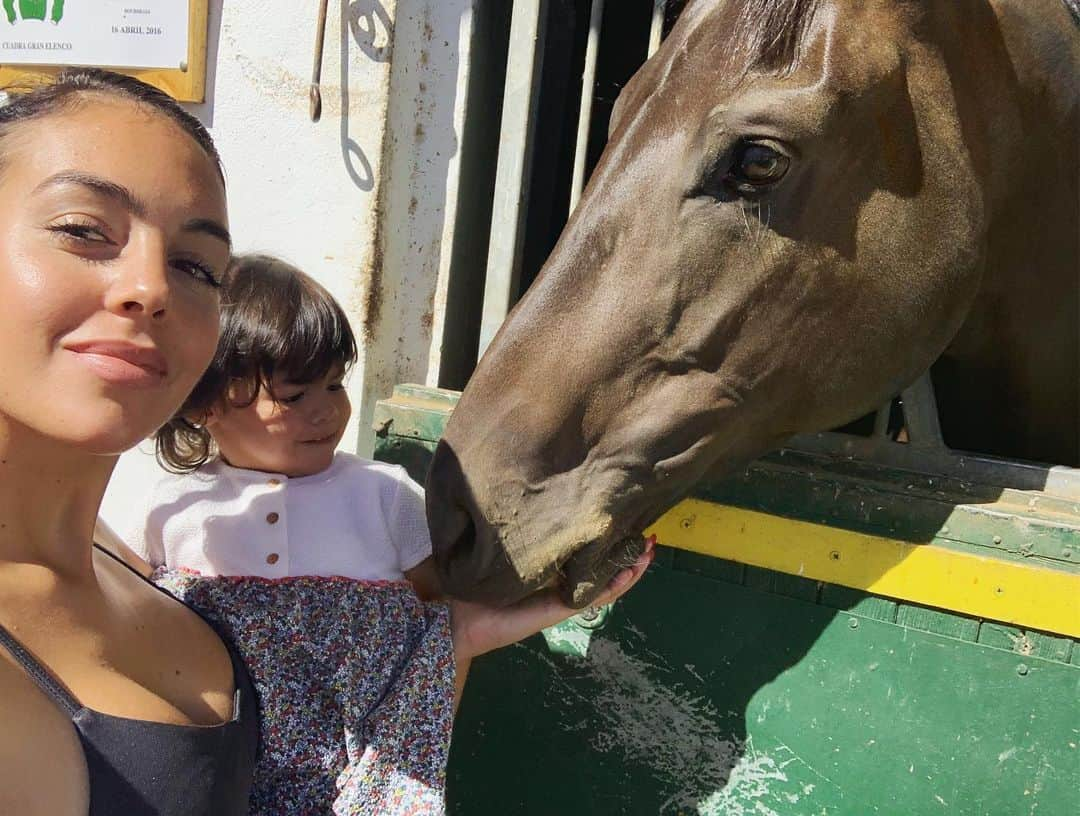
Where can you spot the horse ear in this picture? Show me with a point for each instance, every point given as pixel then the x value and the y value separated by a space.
pixel 617 111
pixel 630 95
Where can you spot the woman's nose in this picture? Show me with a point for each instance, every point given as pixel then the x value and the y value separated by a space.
pixel 141 282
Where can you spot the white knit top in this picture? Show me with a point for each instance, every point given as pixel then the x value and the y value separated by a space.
pixel 356 519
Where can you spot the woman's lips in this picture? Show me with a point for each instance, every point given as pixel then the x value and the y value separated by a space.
pixel 122 363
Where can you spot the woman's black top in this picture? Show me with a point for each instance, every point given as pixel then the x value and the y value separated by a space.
pixel 141 768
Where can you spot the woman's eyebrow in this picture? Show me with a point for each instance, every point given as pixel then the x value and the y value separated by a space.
pixel 129 200
pixel 210 227
pixel 98 185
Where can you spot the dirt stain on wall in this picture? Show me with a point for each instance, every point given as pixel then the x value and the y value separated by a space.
pixel 371 277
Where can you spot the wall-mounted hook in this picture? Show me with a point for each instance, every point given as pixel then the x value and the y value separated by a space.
pixel 314 93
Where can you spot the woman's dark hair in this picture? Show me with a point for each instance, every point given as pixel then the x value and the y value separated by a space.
pixel 275 321
pixel 69 88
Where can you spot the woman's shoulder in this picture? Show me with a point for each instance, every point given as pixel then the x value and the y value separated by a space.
pixel 43 770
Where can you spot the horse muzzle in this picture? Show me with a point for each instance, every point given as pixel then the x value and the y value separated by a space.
pixel 473 560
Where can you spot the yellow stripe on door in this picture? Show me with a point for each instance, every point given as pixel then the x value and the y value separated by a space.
pixel 1024 595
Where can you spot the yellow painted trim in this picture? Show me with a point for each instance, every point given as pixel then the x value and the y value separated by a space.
pixel 184 86
pixel 1026 596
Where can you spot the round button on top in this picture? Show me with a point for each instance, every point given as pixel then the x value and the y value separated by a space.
pixel 272 558
pixel 272 518
pixel 273 482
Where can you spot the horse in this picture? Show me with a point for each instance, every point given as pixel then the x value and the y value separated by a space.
pixel 802 205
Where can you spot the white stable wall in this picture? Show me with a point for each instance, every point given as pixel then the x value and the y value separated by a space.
pixel 357 200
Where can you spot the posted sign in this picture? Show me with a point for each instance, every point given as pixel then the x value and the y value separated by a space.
pixel 106 33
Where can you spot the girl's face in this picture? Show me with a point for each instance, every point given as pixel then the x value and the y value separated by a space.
pixel 294 434
pixel 112 240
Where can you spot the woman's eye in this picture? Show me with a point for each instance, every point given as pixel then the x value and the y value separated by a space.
pixel 291 399
pixel 80 231
pixel 335 387
pixel 757 165
pixel 198 270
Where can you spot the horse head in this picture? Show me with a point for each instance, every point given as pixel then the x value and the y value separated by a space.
pixel 788 225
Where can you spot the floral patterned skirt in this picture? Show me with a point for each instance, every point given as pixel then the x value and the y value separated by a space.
pixel 355 681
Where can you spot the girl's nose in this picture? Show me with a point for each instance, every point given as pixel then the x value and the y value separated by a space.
pixel 323 411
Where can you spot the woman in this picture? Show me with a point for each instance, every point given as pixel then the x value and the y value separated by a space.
pixel 113 240
pixel 114 697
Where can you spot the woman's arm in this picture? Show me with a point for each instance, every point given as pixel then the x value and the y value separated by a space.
pixel 42 767
pixel 477 629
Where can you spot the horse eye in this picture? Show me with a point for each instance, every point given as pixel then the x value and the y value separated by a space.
pixel 757 165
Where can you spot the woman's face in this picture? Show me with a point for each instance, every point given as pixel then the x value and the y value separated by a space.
pixel 112 239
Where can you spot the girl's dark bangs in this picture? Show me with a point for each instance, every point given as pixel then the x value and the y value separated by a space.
pixel 279 324
pixel 314 343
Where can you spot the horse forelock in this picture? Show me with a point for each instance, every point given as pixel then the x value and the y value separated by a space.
pixel 768 33
pixel 758 35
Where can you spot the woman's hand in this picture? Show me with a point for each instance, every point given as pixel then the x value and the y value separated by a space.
pixel 477 629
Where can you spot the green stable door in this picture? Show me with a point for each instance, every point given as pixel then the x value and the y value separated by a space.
pixel 729 685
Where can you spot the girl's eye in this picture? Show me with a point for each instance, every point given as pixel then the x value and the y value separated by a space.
pixel 197 270
pixel 335 387
pixel 291 399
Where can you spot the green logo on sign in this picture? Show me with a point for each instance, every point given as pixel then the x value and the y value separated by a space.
pixel 33 10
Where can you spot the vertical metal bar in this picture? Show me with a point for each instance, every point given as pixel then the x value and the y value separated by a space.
pixel 657 30
pixel 517 132
pixel 588 82
pixel 314 92
pixel 921 414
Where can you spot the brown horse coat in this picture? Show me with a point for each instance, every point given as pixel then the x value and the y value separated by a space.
pixel 803 204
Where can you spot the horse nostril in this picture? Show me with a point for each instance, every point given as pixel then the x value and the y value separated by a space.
pixel 453 530
pixel 467 548
pixel 457 538
pixel 457 553
pixel 467 538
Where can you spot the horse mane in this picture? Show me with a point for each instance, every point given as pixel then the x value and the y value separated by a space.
pixel 766 34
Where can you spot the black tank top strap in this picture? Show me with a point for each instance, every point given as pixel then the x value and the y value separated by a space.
pixel 125 564
pixel 240 674
pixel 41 676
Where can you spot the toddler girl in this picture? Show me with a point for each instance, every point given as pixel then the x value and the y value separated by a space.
pixel 255 476
pixel 299 554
